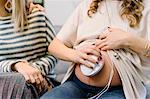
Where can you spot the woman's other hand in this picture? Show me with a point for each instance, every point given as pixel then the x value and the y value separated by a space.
pixel 31 74
pixel 43 87
pixel 113 38
pixel 84 52
pixel 35 6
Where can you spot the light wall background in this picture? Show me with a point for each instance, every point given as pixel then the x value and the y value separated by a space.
pixel 59 10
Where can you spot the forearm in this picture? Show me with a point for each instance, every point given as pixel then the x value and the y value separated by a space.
pixel 139 45
pixel 8 65
pixel 59 50
pixel 45 64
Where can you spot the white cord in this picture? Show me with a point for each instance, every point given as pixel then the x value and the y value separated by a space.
pixel 97 96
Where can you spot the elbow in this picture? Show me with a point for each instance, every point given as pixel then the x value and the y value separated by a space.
pixel 51 47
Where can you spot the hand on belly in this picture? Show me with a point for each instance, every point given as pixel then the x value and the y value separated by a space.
pixel 96 66
pixel 100 79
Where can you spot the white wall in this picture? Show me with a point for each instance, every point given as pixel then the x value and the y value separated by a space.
pixel 59 10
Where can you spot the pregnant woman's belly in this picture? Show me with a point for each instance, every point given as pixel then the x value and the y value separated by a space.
pixel 100 79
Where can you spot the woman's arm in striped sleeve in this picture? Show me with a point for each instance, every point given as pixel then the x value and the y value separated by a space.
pixel 47 63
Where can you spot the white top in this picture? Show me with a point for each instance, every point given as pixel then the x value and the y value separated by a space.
pixel 80 26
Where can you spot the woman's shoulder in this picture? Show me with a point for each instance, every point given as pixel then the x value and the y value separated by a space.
pixel 86 1
pixel 146 11
pixel 146 4
pixel 84 4
pixel 36 13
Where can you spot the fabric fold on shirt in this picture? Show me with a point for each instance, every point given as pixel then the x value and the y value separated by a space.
pixel 128 65
pixel 130 71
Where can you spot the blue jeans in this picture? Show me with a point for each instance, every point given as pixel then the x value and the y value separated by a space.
pixel 148 91
pixel 75 89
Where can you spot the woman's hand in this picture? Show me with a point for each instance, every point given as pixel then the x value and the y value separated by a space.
pixel 83 53
pixel 42 87
pixel 33 6
pixel 113 38
pixel 31 74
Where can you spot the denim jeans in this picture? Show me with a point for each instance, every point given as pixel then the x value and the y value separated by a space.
pixel 148 91
pixel 75 89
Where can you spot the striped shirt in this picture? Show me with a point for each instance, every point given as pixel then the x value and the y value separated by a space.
pixel 30 45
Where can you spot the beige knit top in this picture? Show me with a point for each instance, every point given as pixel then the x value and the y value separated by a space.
pixel 80 27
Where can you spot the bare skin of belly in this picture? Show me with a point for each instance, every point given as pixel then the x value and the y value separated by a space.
pixel 100 79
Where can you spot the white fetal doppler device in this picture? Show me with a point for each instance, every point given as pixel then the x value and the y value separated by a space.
pixel 96 67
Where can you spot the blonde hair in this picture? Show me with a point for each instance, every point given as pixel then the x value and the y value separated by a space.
pixel 19 14
pixel 131 10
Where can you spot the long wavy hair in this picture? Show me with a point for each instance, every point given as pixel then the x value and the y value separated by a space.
pixel 131 10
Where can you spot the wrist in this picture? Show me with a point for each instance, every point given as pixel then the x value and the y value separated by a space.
pixel 15 66
pixel 139 45
pixel 130 42
pixel 72 55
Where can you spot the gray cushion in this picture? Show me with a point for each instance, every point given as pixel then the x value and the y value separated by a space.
pixel 61 69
